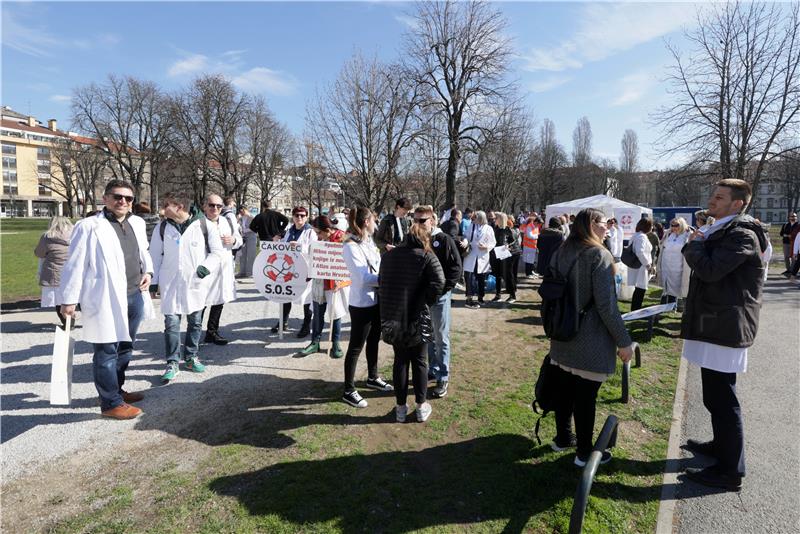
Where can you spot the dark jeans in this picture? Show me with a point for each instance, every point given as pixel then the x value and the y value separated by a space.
pixel 476 284
pixel 214 313
pixel 529 268
pixel 497 271
pixel 365 328
pixel 287 309
pixel 318 323
pixel 172 335
pixel 417 358
pixel 576 398
pixel 719 398
pixel 510 267
pixel 638 298
pixel 111 359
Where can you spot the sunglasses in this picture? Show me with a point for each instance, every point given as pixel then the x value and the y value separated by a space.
pixel 301 215
pixel 420 220
pixel 675 225
pixel 218 206
pixel 126 198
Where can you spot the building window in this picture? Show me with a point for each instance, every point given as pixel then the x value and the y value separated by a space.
pixel 9 162
pixel 769 216
pixel 43 152
pixel 770 202
pixel 9 149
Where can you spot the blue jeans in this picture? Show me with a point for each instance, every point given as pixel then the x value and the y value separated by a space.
pixel 172 335
pixel 111 359
pixel 439 350
pixel 318 323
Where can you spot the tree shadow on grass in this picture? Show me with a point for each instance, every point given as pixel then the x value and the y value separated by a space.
pixel 459 484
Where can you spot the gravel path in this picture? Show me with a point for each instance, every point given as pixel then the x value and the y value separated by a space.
pixel 35 434
pixel 770 401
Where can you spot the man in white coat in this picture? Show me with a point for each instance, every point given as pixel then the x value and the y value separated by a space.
pixel 186 250
pixel 223 287
pixel 107 272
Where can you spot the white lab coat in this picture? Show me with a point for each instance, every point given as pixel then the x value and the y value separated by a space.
pixel 616 240
pixel 94 277
pixel 223 287
pixel 482 235
pixel 175 271
pixel 643 250
pixel 304 241
pixel 672 270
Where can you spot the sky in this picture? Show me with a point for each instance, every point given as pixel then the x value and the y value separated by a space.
pixel 602 60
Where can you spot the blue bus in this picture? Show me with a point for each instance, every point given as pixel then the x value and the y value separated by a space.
pixel 665 214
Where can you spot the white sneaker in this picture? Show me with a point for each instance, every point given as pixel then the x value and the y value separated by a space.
pixel 355 399
pixel 400 412
pixel 424 411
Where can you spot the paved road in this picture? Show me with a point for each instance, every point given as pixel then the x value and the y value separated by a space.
pixel 770 396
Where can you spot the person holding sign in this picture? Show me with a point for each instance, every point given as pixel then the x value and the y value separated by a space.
pixel 302 235
pixel 363 260
pixel 411 281
pixel 322 292
pixel 108 272
pixel 186 249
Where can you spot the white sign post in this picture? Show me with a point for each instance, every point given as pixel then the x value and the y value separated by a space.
pixel 279 273
pixel 327 263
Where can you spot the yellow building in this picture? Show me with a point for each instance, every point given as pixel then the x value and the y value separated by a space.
pixel 29 188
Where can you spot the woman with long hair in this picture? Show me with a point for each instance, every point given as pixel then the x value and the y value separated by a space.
pixel 52 251
pixel 643 249
pixel 477 263
pixel 511 265
pixel 672 271
pixel 411 281
pixel 586 361
pixel 364 261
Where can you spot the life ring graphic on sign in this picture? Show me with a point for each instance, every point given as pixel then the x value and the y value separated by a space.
pixel 286 271
pixel 626 219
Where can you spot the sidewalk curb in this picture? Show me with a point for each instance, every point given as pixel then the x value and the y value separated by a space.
pixel 666 508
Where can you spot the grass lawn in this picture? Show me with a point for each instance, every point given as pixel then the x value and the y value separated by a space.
pixel 18 265
pixel 473 467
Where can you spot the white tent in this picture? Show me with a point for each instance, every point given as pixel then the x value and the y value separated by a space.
pixel 626 214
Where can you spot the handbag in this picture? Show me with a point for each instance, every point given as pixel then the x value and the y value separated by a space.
pixel 61 372
pixel 544 394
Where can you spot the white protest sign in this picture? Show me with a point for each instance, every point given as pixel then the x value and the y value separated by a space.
pixel 643 313
pixel 627 219
pixel 327 261
pixel 280 271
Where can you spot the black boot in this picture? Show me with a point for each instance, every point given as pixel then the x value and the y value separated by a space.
pixel 215 338
pixel 304 330
pixel 275 328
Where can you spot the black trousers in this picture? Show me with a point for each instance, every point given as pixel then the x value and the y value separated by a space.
pixel 214 313
pixel 666 299
pixel 417 358
pixel 287 309
pixel 510 268
pixel 638 298
pixel 719 398
pixel 576 399
pixel 497 272
pixel 365 328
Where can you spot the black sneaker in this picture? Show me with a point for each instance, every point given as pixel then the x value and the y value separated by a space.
pixel 710 476
pixel 511 300
pixel 355 399
pixel 705 448
pixel 471 304
pixel 481 302
pixel 497 298
pixel 580 461
pixel 275 328
pixel 379 384
pixel 441 389
pixel 570 443
pixel 215 338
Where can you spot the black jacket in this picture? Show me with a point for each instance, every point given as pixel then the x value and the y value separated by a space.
pixel 451 227
pixel 410 281
pixel 449 258
pixel 386 234
pixel 268 224
pixel 724 297
pixel 786 232
pixel 549 241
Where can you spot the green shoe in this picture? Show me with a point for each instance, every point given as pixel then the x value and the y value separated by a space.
pixel 171 372
pixel 336 350
pixel 194 365
pixel 312 348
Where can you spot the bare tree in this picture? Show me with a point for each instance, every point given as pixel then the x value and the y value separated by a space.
pixel 270 145
pixel 626 186
pixel 309 178
pixel 81 167
pixel 125 116
pixel 582 143
pixel 737 91
pixel 460 55
pixel 787 173
pixel 63 175
pixel 547 160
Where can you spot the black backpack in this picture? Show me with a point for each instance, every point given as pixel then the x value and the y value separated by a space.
pixel 561 315
pixel 544 394
pixel 629 257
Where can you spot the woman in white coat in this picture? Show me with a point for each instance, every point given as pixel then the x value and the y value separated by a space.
pixel 643 250
pixel 300 233
pixel 672 272
pixel 476 264
pixel 187 254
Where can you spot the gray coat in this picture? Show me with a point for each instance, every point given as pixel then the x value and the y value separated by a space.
pixel 602 329
pixel 53 252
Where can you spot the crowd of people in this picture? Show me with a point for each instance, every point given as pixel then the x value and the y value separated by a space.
pixel 403 272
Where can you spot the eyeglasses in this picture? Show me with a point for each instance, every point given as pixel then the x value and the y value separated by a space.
pixel 300 215
pixel 218 206
pixel 126 198
pixel 602 222
pixel 675 225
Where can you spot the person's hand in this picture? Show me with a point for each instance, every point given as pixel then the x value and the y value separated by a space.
pixel 68 310
pixel 276 238
pixel 625 353
pixel 389 247
pixel 697 234
pixel 145 283
pixel 227 240
pixel 202 271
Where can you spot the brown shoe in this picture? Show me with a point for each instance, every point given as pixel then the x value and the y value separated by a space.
pixel 123 411
pixel 131 397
